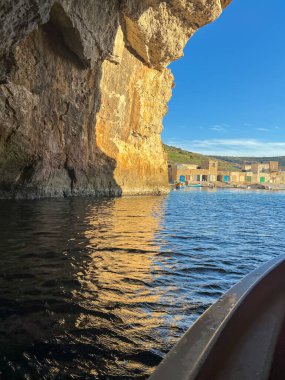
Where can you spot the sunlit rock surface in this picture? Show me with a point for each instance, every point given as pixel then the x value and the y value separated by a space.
pixel 84 86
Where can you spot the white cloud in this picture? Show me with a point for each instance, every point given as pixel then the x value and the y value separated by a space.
pixel 262 129
pixel 218 128
pixel 232 147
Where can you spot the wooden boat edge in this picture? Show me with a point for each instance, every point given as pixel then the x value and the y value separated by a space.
pixel 187 357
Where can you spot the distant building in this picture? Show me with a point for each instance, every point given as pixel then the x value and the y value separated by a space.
pixel 264 167
pixel 246 167
pixel 208 171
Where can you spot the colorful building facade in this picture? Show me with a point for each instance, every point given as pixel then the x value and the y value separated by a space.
pixel 208 172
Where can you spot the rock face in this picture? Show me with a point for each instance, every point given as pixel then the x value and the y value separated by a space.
pixel 83 91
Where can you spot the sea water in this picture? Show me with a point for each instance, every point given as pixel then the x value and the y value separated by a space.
pixel 102 289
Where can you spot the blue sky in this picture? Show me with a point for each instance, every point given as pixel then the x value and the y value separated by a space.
pixel 229 95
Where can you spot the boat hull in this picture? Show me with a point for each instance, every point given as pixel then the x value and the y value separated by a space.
pixel 240 337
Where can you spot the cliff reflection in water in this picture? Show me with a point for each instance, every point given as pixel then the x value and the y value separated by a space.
pixel 102 289
pixel 77 288
pixel 119 282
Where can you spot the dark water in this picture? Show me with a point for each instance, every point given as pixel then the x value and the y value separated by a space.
pixel 103 289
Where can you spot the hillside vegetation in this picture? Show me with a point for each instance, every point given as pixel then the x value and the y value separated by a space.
pixel 180 156
pixel 239 160
pixel 226 163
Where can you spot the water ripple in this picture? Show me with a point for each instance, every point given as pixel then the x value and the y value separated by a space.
pixel 103 289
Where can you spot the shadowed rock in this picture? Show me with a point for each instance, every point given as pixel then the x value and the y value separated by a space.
pixel 83 91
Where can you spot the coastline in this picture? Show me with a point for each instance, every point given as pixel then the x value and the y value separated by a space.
pixel 267 187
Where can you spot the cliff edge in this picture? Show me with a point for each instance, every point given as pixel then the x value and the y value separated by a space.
pixel 84 86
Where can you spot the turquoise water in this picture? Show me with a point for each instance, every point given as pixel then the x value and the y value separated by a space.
pixel 102 289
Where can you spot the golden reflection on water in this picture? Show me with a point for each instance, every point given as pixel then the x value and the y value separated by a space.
pixel 118 277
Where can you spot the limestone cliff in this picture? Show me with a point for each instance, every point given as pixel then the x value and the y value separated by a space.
pixel 84 86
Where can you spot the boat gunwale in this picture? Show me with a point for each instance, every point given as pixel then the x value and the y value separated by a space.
pixel 222 310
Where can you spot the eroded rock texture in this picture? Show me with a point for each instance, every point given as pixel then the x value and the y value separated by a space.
pixel 83 91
